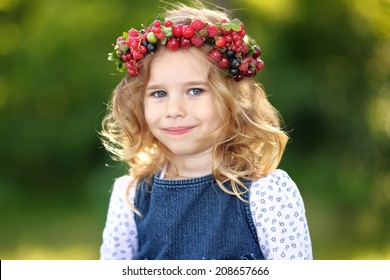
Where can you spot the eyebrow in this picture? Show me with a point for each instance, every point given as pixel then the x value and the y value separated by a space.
pixel 186 84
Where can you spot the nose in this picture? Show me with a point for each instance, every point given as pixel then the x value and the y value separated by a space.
pixel 175 107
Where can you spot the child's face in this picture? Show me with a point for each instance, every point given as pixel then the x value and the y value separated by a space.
pixel 179 108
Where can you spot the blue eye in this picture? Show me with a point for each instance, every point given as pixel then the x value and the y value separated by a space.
pixel 159 94
pixel 195 91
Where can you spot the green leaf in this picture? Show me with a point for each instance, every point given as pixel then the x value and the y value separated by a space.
pixel 234 24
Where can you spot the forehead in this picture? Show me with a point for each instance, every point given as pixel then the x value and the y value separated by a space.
pixel 172 66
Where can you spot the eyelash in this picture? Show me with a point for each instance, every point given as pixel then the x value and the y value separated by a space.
pixel 156 93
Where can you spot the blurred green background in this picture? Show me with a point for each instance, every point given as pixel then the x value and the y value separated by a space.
pixel 327 71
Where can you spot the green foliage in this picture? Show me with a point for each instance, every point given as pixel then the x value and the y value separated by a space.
pixel 326 71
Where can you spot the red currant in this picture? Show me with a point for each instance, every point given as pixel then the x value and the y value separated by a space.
pixel 156 29
pixel 133 32
pixel 160 36
pixel 143 49
pixel 157 23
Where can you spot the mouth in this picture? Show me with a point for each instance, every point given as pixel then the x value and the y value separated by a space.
pixel 180 130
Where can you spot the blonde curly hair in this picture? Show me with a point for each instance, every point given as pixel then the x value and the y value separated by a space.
pixel 249 145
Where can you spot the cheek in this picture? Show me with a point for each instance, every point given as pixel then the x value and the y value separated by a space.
pixel 149 115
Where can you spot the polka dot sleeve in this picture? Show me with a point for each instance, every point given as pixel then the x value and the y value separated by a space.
pixel 278 212
pixel 120 240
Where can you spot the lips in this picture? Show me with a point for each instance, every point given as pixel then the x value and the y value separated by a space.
pixel 180 130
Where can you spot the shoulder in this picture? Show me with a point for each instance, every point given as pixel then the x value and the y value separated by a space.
pixel 277 181
pixel 276 189
pixel 275 177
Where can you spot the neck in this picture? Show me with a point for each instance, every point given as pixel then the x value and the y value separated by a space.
pixel 191 166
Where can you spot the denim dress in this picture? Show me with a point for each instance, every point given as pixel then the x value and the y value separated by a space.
pixel 193 219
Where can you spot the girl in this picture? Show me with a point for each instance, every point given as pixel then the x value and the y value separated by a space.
pixel 202 143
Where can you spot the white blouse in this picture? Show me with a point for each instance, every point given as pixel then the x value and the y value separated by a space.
pixel 277 209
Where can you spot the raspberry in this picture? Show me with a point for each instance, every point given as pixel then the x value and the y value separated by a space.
pixel 212 30
pixel 188 31
pixel 172 44
pixel 168 23
pixel 197 24
pixel 197 41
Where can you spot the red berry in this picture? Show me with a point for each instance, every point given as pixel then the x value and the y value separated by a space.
pixel 133 32
pixel 160 36
pixel 197 41
pixel 143 49
pixel 120 41
pixel 259 64
pixel 257 52
pixel 241 33
pixel 212 30
pixel 156 29
pixel 157 23
pixel 220 42
pixel 188 31
pixel 168 23
pixel 137 55
pixel 215 55
pixel 228 39
pixel 243 67
pixel 172 44
pixel 250 72
pixel 224 63
pixel 124 58
pixel 197 24
pixel 177 30
pixel 185 43
pixel 239 77
pixel 235 37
